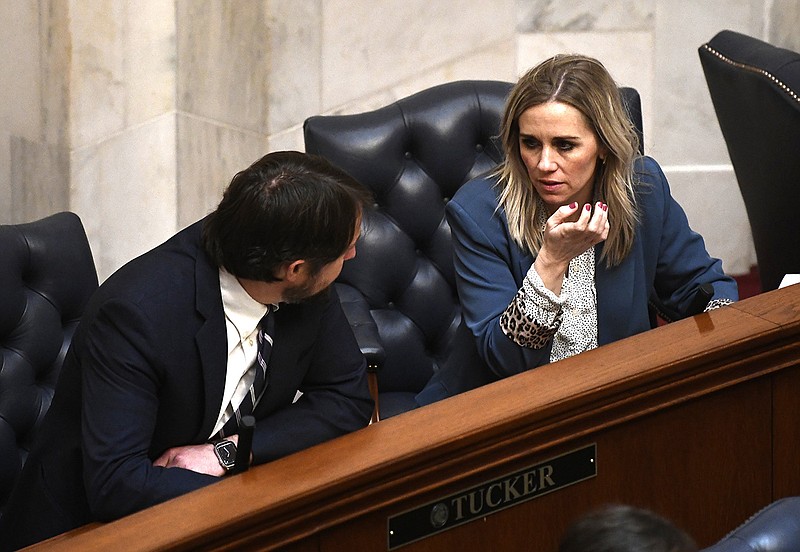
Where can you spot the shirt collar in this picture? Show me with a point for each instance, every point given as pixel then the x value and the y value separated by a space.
pixel 243 311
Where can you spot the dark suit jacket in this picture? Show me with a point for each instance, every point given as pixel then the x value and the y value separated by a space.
pixel 668 261
pixel 146 372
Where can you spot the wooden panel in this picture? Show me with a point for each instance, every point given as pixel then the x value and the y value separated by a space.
pixel 786 457
pixel 681 462
pixel 682 415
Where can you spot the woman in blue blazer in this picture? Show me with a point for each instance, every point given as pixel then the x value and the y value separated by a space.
pixel 564 246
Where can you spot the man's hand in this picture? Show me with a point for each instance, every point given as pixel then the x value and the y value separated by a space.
pixel 198 458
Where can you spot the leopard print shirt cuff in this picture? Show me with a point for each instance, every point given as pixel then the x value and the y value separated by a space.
pixel 717 303
pixel 516 322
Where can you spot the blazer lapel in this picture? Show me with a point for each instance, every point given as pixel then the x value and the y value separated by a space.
pixel 211 341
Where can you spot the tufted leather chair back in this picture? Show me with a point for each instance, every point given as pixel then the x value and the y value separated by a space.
pixel 414 155
pixel 46 277
pixel 755 89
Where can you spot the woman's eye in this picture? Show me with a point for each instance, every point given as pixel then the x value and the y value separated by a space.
pixel 530 143
pixel 565 146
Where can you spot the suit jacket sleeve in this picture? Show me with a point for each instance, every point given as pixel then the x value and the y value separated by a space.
pixel 331 375
pixel 123 389
pixel 489 274
pixel 683 263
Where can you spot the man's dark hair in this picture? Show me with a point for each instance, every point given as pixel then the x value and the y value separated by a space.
pixel 284 207
pixel 620 528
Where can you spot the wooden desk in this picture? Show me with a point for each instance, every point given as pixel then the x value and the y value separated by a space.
pixel 696 420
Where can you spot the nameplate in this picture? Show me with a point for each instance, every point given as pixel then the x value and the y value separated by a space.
pixel 492 496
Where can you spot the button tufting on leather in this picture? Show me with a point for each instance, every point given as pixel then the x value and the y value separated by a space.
pixel 49 264
pixel 479 148
pixel 407 155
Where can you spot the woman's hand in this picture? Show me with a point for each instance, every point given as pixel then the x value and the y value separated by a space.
pixel 565 239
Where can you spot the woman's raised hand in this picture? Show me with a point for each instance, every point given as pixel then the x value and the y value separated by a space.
pixel 565 238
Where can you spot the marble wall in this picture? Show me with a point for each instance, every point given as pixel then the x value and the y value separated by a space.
pixel 122 130
pixel 135 115
pixel 34 111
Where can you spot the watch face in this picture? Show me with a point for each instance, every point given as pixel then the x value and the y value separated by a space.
pixel 226 452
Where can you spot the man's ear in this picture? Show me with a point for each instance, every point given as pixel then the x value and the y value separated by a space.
pixel 294 270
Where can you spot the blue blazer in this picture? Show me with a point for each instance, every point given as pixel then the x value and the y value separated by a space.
pixel 146 372
pixel 668 261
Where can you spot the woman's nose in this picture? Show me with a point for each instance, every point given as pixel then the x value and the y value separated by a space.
pixel 546 160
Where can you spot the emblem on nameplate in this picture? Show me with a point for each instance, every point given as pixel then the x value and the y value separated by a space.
pixel 440 513
pixel 492 496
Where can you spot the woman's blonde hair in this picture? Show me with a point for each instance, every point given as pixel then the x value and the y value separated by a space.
pixel 583 83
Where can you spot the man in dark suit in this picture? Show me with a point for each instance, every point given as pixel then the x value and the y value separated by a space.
pixel 168 348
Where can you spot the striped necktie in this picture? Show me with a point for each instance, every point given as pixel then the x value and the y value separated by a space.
pixel 261 380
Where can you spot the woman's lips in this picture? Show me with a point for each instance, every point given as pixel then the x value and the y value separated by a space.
pixel 550 184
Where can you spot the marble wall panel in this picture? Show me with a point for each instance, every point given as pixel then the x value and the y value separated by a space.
pixel 5 177
pixel 546 16
pixel 55 44
pixel 295 71
pixel 124 191
pixel 34 163
pixel 151 60
pixel 208 156
pixel 98 86
pixel 365 49
pixel 686 129
pixel 494 62
pixel 38 186
pixel 20 85
pixel 783 21
pixel 223 70
pixel 714 206
pixel 123 66
pixel 289 139
pixel 626 54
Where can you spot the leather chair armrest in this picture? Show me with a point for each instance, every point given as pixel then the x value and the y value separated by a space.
pixel 776 528
pixel 702 296
pixel 356 310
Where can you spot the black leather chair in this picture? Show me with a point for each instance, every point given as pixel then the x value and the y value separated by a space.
pixel 46 277
pixel 755 89
pixel 776 528
pixel 414 155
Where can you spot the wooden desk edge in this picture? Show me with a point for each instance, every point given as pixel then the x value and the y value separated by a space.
pixel 334 481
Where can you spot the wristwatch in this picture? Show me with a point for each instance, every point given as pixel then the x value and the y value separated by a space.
pixel 226 453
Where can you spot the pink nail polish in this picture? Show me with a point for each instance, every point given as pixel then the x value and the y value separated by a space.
pixel 573 205
pixel 605 207
pixel 588 207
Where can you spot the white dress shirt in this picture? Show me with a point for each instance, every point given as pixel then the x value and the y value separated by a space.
pixel 242 315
